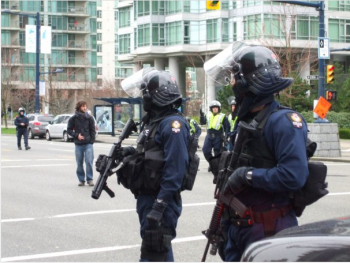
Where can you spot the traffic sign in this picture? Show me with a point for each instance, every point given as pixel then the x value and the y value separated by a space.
pixel 312 77
pixel 322 107
pixel 323 48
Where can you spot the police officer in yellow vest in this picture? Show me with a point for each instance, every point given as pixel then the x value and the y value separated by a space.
pixel 232 120
pixel 217 125
pixel 195 130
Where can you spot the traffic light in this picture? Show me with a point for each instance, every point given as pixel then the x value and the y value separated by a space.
pixel 213 5
pixel 331 95
pixel 330 74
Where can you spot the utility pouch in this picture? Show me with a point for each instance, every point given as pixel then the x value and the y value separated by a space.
pixel 314 188
pixel 154 163
pixel 131 175
pixel 191 173
pixel 192 169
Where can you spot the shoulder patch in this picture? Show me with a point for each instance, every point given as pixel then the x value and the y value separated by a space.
pixel 176 126
pixel 295 119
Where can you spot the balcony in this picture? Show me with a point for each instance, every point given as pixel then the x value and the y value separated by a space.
pixel 13 25
pixel 10 44
pixel 71 11
pixel 78 28
pixel 73 45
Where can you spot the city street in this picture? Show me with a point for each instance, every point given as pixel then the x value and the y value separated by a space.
pixel 46 217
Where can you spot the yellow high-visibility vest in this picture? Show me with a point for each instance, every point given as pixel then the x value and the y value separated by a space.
pixel 232 122
pixel 215 121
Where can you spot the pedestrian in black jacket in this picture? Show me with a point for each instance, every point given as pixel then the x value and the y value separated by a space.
pixel 81 126
pixel 22 123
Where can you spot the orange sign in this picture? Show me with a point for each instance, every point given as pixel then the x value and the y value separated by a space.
pixel 322 107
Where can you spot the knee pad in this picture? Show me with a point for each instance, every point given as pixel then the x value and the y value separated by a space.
pixel 156 243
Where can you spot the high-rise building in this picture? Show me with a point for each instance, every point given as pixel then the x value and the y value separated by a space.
pixel 175 35
pixel 74 48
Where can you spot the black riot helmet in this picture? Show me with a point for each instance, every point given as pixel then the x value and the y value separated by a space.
pixel 156 88
pixel 257 70
pixel 163 89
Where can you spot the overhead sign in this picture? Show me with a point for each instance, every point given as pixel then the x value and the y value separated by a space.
pixel 311 77
pixel 30 39
pixel 45 39
pixel 322 107
pixel 323 48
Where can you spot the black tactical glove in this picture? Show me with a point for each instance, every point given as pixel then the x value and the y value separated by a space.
pixel 238 181
pixel 155 216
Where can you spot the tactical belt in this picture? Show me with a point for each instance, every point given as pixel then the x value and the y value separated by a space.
pixel 267 218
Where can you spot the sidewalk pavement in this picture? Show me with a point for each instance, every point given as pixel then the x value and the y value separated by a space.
pixel 344 145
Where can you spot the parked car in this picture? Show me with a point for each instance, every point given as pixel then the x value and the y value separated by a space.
pixel 323 241
pixel 37 124
pixel 57 128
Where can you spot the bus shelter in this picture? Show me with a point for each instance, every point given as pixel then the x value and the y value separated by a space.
pixel 113 116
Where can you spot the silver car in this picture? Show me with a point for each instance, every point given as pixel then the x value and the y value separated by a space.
pixel 37 124
pixel 57 128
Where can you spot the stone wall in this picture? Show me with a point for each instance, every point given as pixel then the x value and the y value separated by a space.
pixel 326 135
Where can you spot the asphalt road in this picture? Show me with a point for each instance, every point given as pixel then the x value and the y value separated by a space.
pixel 46 217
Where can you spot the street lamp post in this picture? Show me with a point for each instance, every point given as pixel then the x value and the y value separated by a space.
pixel 37 59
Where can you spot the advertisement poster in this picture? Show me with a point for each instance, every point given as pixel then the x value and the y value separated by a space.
pixel 104 119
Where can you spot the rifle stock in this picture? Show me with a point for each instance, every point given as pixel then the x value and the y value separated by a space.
pixel 107 163
pixel 214 231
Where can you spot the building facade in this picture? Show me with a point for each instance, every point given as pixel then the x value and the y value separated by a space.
pixel 175 35
pixel 74 47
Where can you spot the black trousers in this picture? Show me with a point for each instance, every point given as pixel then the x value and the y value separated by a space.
pixel 20 132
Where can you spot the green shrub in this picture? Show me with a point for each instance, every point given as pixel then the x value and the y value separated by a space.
pixel 342 118
pixel 344 133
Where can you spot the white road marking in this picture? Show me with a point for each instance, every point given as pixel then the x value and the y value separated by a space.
pixel 92 250
pixel 35 165
pixel 16 220
pixel 30 160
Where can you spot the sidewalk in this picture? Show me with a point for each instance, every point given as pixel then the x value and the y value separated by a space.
pixel 344 145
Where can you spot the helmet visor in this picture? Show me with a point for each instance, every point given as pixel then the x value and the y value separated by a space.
pixel 218 68
pixel 132 85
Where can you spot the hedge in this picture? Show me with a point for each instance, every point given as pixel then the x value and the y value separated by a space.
pixel 342 118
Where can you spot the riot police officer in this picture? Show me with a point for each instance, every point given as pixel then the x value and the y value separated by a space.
pixel 22 123
pixel 232 120
pixel 158 177
pixel 273 161
pixel 217 128
pixel 195 129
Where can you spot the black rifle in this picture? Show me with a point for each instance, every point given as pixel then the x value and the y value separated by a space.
pixel 214 232
pixel 105 163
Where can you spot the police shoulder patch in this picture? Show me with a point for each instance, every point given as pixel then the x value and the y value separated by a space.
pixel 295 119
pixel 176 126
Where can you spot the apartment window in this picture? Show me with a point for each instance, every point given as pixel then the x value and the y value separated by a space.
pixel 99 36
pixel 173 7
pixel 158 37
pixel 124 44
pixel 99 25
pixel 22 38
pixel 339 30
pixel 274 26
pixel 224 5
pixel 5 5
pixel 99 71
pixel 187 6
pixel 58 22
pixel 142 8
pixel 251 3
pixel 124 17
pixel 338 5
pixel 5 37
pixel 99 59
pixel 252 27
pixel 59 40
pixel 5 20
pixel 93 41
pixel 158 7
pixel 91 7
pixel 99 48
pixel 99 13
pixel 143 35
pixel 123 72
pixel 99 3
pixel 60 57
pixel 116 15
pixel 224 30
pixel 307 28
pixel 93 24
pixel 32 6
pixel 173 33
pixel 213 30
pixel 194 32
pixel 93 58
